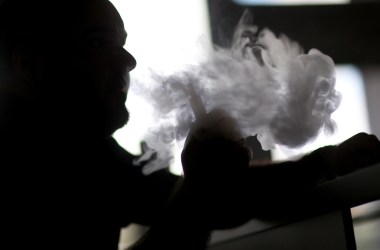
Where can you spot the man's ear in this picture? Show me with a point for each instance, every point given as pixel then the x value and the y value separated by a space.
pixel 27 68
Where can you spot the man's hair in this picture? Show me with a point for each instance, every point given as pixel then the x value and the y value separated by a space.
pixel 34 23
pixel 23 22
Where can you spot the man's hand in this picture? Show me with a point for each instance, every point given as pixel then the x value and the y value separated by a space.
pixel 215 162
pixel 359 151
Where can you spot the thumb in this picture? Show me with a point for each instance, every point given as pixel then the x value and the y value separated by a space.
pixel 216 124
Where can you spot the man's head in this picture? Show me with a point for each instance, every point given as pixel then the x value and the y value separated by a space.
pixel 67 57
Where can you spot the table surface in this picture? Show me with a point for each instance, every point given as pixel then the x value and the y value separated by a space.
pixel 354 189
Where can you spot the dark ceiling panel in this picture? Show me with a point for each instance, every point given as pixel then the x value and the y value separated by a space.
pixel 348 33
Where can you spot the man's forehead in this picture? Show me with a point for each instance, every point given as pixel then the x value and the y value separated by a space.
pixel 118 32
pixel 102 17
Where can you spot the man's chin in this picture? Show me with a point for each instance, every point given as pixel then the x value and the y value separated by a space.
pixel 115 119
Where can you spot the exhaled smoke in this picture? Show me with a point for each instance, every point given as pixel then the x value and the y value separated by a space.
pixel 267 83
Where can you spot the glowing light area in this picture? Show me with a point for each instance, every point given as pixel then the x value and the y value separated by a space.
pixel 131 136
pixel 164 36
pixel 290 2
pixel 351 117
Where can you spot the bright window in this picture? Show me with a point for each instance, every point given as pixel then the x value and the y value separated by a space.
pixel 162 35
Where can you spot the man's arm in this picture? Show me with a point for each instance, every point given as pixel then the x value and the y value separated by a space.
pixel 220 189
pixel 279 184
pixel 212 182
pixel 179 226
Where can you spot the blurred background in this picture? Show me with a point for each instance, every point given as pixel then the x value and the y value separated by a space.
pixel 166 35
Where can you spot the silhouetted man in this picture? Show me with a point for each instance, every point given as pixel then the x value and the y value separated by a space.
pixel 66 183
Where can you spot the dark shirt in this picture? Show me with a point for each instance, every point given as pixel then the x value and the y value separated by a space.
pixel 77 199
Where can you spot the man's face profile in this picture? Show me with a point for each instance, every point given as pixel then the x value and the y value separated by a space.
pixel 91 75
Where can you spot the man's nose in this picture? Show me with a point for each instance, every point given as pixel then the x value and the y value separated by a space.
pixel 129 60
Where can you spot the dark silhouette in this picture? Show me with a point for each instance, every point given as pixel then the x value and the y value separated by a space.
pixel 67 184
